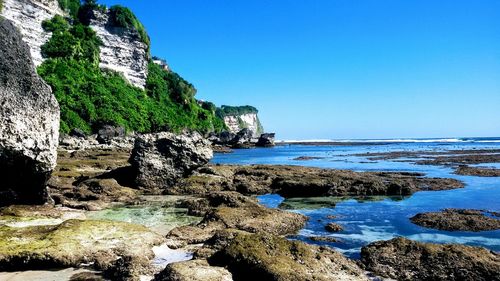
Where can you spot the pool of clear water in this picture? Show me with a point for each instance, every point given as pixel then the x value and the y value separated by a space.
pixel 378 218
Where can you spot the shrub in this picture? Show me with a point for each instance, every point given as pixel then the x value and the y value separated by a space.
pixel 71 6
pixel 123 17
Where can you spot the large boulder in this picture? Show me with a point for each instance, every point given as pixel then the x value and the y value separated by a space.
pixel 269 257
pixel 160 160
pixel 404 259
pixel 266 140
pixel 29 130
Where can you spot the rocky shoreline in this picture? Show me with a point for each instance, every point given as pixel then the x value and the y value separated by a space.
pixel 459 220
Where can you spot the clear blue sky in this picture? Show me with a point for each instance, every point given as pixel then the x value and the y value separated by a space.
pixel 339 68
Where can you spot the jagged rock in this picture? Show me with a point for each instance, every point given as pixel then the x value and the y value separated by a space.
pixel 28 16
pixel 160 160
pixel 122 49
pixel 269 257
pixel 242 138
pixel 194 270
pixel 107 133
pixel 29 130
pixel 404 259
pixel 266 140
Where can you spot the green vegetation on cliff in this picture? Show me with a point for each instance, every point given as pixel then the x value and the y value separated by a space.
pixel 227 110
pixel 123 17
pixel 90 97
pixel 70 6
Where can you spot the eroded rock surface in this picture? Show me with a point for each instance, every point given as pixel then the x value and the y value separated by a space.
pixel 160 160
pixel 29 129
pixel 477 171
pixel 76 242
pixel 296 181
pixel 404 259
pixel 459 220
pixel 194 270
pixel 268 257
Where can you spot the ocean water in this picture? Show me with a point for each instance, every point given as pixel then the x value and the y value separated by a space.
pixel 380 218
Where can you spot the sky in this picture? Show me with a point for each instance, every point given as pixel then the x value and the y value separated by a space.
pixel 338 69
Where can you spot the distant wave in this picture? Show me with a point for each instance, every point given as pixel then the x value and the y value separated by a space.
pixel 400 140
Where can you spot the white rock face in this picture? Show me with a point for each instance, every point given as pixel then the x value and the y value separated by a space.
pixel 29 127
pixel 122 50
pixel 249 120
pixel 28 16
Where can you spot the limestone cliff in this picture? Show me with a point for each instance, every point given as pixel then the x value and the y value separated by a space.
pixel 240 117
pixel 28 16
pixel 122 50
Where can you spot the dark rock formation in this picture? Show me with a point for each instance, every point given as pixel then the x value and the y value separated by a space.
pixel 459 219
pixel 107 132
pixel 266 140
pixel 160 160
pixel 29 130
pixel 296 181
pixel 404 259
pixel 243 138
pixel 333 227
pixel 267 257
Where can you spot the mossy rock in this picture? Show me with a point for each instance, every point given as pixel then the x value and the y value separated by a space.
pixel 268 257
pixel 72 243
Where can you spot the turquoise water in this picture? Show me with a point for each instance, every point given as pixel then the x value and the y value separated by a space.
pixel 379 218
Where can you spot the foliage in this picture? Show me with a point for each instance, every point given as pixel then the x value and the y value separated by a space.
pixel 123 17
pixel 71 6
pixel 89 97
pixel 1 5
pixel 73 42
pixel 227 110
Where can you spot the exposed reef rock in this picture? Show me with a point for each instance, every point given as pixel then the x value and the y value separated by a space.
pixel 160 160
pixel 28 16
pixel 459 219
pixel 29 130
pixel 122 50
pixel 477 171
pixel 404 259
pixel 193 270
pixel 333 227
pixel 296 181
pixel 232 210
pixel 76 242
pixel 267 257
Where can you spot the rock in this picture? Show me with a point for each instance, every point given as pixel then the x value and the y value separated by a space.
pixel 307 158
pixel 242 138
pixel 297 181
pixel 74 242
pixel 240 117
pixel 266 140
pixel 459 220
pixel 107 132
pixel 477 171
pixel 225 137
pixel 325 239
pixel 248 216
pixel 404 259
pixel 268 257
pixel 122 49
pixel 333 227
pixel 77 133
pixel 29 131
pixel 194 270
pixel 160 160
pixel 28 15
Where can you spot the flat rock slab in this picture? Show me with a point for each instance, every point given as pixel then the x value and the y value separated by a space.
pixel 459 220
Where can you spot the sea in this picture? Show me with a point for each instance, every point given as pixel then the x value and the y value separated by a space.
pixel 368 219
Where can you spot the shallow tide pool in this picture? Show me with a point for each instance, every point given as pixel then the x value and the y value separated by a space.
pixel 378 218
